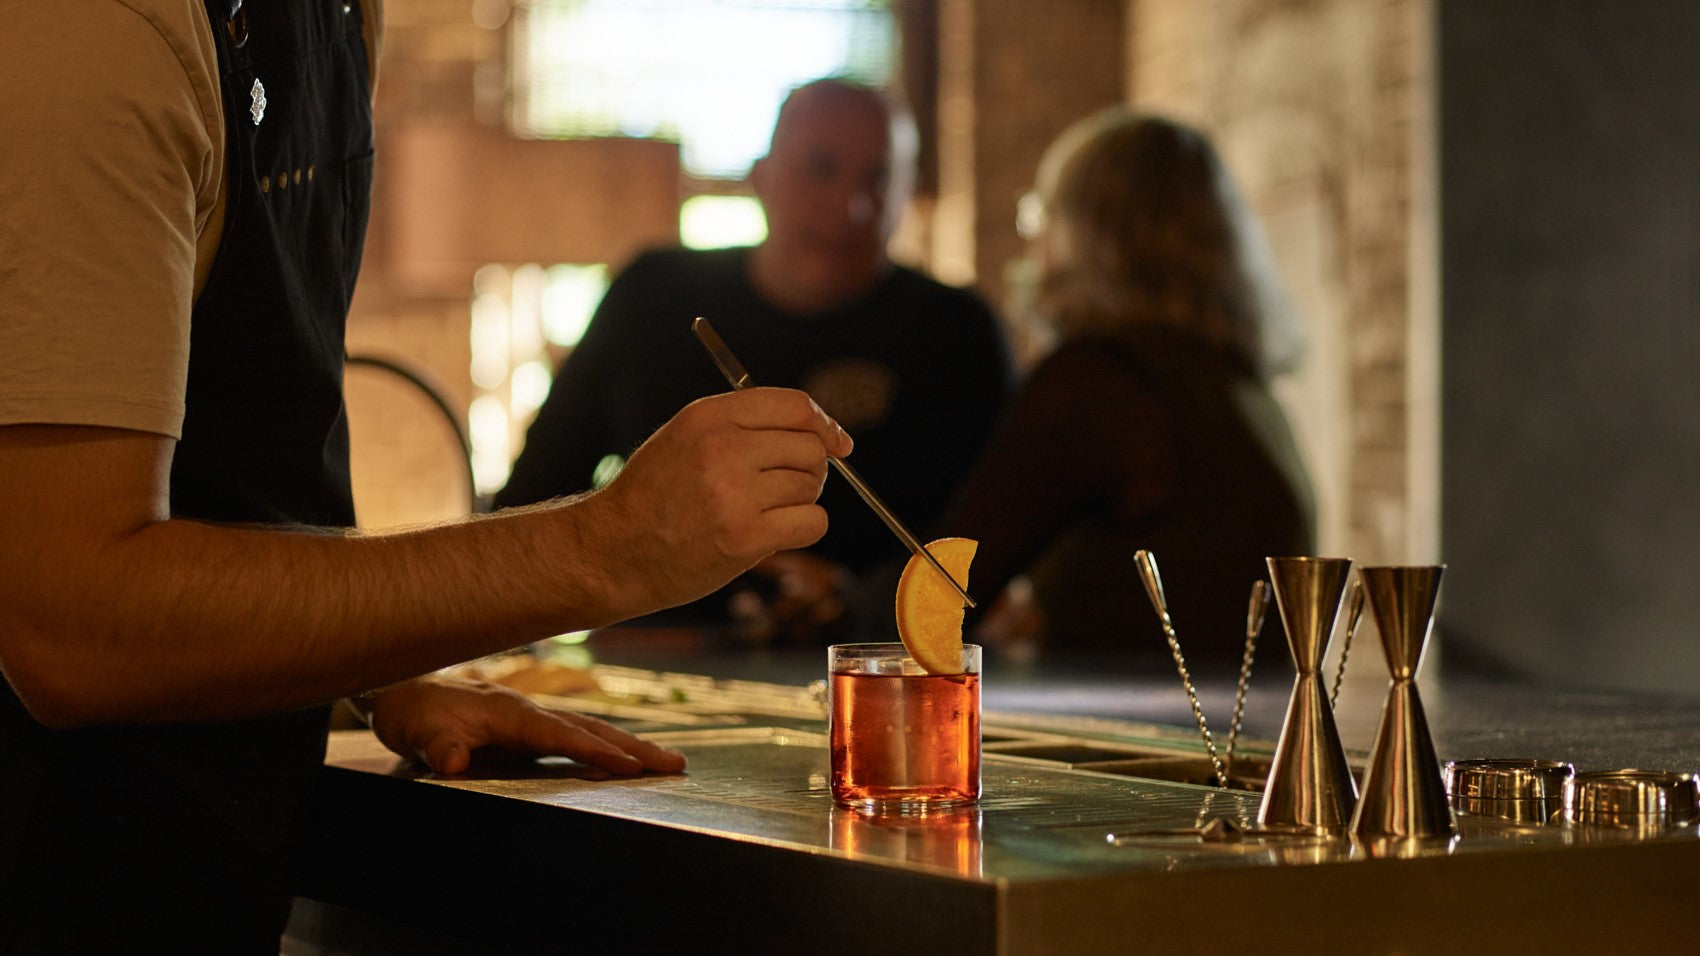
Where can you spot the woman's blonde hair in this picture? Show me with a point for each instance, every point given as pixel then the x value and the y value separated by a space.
pixel 1144 225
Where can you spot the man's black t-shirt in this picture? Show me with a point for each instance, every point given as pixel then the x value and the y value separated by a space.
pixel 915 370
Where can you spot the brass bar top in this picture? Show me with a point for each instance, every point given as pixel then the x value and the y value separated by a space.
pixel 1090 836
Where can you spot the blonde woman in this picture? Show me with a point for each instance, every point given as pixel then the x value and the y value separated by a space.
pixel 1149 423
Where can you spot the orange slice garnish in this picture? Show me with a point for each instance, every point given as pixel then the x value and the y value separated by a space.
pixel 929 611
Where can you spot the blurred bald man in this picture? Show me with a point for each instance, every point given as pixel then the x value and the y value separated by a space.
pixel 914 369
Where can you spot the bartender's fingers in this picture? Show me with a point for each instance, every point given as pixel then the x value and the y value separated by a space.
pixel 541 730
pixel 510 721
pixel 727 481
pixel 442 721
pixel 785 409
pixel 786 486
pixel 792 451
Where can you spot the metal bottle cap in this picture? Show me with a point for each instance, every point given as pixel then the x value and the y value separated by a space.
pixel 1641 799
pixel 1516 789
pixel 1508 778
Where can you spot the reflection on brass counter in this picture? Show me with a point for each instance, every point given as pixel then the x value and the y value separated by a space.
pixel 1072 849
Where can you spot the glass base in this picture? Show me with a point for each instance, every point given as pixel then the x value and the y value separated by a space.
pixel 906 806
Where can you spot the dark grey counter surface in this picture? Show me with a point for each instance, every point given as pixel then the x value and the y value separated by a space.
pixel 745 852
pixel 1471 715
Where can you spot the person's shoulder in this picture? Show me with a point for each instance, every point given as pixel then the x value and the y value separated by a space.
pixel 681 257
pixel 49 30
pixel 679 263
pixel 651 293
pixel 912 281
pixel 1093 358
pixel 183 24
pixel 165 11
pixel 951 307
pixel 1149 361
pixel 169 14
pixel 1182 353
pixel 1095 373
pixel 1079 351
pixel 116 50
pixel 118 101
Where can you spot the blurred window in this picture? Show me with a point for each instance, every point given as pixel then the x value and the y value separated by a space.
pixel 524 318
pixel 708 74
pixel 713 222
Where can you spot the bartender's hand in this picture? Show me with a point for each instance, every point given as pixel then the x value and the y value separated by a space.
pixel 441 720
pixel 731 479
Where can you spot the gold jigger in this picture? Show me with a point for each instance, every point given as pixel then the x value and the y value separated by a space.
pixel 1404 794
pixel 1310 784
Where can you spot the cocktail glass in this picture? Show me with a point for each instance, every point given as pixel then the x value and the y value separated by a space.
pixel 903 741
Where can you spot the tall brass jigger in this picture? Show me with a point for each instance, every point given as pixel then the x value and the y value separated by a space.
pixel 1310 784
pixel 1404 795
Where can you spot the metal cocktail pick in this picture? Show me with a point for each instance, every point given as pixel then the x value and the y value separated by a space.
pixel 1310 784
pixel 740 379
pixel 1404 794
pixel 1147 563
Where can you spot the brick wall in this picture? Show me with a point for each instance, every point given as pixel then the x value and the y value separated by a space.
pixel 454 192
pixel 1012 75
pixel 1321 110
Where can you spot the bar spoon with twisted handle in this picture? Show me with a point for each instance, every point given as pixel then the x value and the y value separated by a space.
pixel 740 379
pixel 1147 563
pixel 1354 614
pixel 1255 612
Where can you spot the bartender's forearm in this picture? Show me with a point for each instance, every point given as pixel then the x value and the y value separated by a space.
pixel 110 610
pixel 120 613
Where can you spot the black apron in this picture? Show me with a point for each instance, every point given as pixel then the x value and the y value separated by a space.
pixel 184 837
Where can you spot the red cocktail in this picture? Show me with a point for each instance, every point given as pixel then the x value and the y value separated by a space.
pixel 903 740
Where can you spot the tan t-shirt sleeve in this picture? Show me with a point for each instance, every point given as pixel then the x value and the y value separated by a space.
pixel 110 175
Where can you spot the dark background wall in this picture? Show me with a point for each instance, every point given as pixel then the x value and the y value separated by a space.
pixel 1570 251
